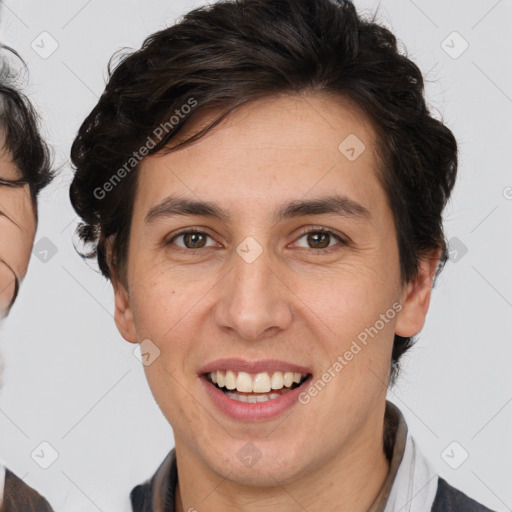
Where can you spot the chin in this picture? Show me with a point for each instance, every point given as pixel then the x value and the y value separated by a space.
pixel 251 464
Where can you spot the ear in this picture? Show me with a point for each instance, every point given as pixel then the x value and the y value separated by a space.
pixel 415 297
pixel 123 314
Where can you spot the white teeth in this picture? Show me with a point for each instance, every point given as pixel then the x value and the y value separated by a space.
pixel 259 383
pixel 288 379
pixel 252 399
pixel 277 380
pixel 244 382
pixel 230 380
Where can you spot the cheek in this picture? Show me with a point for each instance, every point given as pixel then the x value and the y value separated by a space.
pixel 7 287
pixel 358 304
pixel 16 247
pixel 15 250
pixel 350 296
pixel 165 311
pixel 17 229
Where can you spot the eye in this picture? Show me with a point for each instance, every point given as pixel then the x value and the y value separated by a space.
pixel 321 240
pixel 191 239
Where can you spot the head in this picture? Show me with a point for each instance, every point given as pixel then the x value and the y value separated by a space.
pixel 293 138
pixel 24 171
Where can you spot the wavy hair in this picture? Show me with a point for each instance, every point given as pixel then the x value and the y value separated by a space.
pixel 231 52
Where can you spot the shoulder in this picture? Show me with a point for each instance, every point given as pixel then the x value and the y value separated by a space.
pixel 157 493
pixel 18 496
pixel 449 499
pixel 140 497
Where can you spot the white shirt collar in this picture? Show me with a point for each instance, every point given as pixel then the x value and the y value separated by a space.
pixel 415 484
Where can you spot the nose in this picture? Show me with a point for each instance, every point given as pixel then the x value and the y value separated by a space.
pixel 255 301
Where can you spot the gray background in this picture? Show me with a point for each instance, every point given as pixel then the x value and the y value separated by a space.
pixel 72 381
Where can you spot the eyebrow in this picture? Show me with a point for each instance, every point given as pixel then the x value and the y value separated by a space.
pixel 333 204
pixel 13 183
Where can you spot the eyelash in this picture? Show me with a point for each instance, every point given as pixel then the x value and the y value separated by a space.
pixel 311 230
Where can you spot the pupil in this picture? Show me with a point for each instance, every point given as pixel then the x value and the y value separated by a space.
pixel 193 238
pixel 313 236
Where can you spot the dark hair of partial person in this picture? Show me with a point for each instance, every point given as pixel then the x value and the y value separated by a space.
pixel 18 497
pixel 19 129
pixel 20 137
pixel 231 52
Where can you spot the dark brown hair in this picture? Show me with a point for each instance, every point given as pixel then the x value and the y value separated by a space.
pixel 19 129
pixel 232 52
pixel 20 137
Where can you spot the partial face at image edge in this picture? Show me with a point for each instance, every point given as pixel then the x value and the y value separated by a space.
pixel 17 230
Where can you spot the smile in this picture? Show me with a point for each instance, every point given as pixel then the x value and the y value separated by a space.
pixel 253 391
pixel 255 388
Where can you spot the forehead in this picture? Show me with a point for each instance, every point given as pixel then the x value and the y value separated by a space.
pixel 289 145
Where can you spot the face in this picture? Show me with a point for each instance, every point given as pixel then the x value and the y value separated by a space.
pixel 17 231
pixel 294 257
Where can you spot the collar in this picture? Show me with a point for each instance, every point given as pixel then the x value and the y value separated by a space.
pixel 410 484
pixel 415 482
pixel 395 437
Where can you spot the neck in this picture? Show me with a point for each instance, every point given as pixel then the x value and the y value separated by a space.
pixel 348 482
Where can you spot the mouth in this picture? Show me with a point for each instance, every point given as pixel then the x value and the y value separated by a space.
pixel 254 388
pixel 253 391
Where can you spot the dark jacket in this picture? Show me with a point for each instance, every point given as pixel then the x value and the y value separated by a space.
pixel 19 497
pixel 449 499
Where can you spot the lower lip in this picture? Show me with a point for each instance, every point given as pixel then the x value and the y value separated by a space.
pixel 257 411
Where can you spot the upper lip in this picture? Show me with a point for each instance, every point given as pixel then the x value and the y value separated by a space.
pixel 259 366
